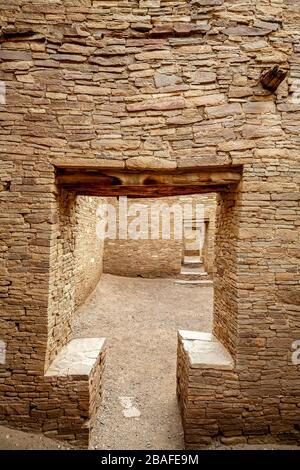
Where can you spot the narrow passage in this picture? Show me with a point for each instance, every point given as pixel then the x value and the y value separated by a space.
pixel 140 318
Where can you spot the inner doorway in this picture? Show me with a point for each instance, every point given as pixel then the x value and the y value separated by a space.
pixel 140 318
pixel 142 299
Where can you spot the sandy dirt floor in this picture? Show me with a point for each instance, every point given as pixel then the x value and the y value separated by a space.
pixel 140 318
pixel 12 439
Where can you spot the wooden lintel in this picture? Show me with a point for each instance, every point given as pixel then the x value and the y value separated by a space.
pixel 143 191
pixel 112 177
pixel 147 184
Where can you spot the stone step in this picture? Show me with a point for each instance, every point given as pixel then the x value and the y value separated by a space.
pixel 191 252
pixel 192 260
pixel 194 282
pixel 193 270
pixel 192 265
pixel 195 246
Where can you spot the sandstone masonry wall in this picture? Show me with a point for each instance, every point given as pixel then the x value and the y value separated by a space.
pixel 88 248
pixel 156 257
pixel 142 82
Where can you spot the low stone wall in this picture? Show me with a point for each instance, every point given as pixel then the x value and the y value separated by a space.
pixel 70 394
pixel 148 259
pixel 157 258
pixel 214 405
pixel 144 257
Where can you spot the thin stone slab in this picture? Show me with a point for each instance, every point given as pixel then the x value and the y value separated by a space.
pixel 77 357
pixel 193 335
pixel 194 282
pixel 204 351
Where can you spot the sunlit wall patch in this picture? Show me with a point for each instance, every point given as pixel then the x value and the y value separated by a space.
pixel 2 352
pixel 2 92
pixel 296 353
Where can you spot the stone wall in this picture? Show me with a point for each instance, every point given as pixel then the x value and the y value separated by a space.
pixel 88 248
pixel 148 257
pixel 76 265
pixel 160 85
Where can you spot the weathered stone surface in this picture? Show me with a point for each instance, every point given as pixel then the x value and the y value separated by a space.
pixel 95 163
pixel 245 31
pixel 198 160
pixel 78 357
pixel 16 65
pixel 91 90
pixel 224 110
pixel 7 54
pixel 149 163
pixel 289 297
pixel 76 49
pixel 68 57
pixel 149 3
pixel 259 107
pixel 193 49
pixel 162 80
pixel 158 105
pixel 204 351
pixel 70 82
pixel 240 91
pixel 239 144
pixel 204 77
pixel 111 61
pixel 154 55
pixel 207 100
pixel 252 131
pixel 207 2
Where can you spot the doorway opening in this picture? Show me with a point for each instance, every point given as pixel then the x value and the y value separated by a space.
pixel 143 297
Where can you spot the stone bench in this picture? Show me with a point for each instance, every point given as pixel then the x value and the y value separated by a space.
pixel 206 377
pixel 75 386
pixel 78 357
pixel 204 351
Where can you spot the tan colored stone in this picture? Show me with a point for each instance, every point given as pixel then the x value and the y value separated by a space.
pixel 207 100
pixel 239 144
pixel 149 163
pixel 230 109
pixel 252 131
pixel 193 49
pixel 199 161
pixel 240 91
pixel 259 107
pixel 95 163
pixel 201 76
pixel 158 105
pixel 91 90
pixel 162 80
pixel 154 55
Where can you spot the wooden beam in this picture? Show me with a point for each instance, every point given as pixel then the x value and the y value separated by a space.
pixel 143 191
pixel 146 183
pixel 112 177
pixel 271 79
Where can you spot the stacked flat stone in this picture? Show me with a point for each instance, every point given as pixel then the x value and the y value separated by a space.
pixel 171 80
